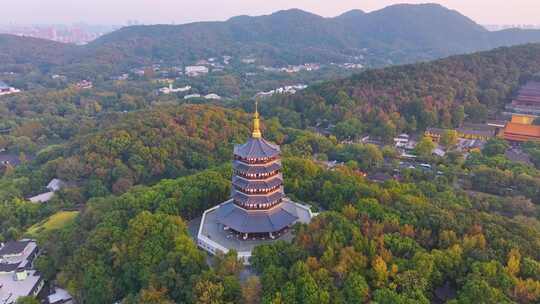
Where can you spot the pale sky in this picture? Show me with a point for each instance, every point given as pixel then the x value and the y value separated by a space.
pixel 183 11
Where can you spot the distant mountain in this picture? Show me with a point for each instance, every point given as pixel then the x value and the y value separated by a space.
pixel 396 34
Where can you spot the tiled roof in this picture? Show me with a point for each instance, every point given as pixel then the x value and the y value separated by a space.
pixel 521 132
pixel 257 184
pixel 256 169
pixel 257 199
pixel 256 148
pixel 14 247
pixel 244 221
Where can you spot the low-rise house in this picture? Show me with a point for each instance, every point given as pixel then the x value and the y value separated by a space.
pixel 170 89
pixel 477 131
pixel 401 140
pixel 59 296
pixel 53 186
pixel 17 276
pixel 42 197
pixel 84 84
pixel 212 96
pixel 56 184
pixel 59 77
pixel 467 131
pixel 191 96
pixel 434 133
pixel 196 70
pixel 7 90
pixel 9 160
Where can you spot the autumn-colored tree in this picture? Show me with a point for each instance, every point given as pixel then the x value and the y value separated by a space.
pixel 208 292
pixel 251 291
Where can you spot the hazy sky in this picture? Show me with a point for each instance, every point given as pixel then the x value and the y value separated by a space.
pixel 183 11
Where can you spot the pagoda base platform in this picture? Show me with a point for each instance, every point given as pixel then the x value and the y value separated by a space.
pixel 214 237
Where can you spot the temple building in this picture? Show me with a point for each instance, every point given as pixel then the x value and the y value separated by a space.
pixel 258 211
pixel 517 133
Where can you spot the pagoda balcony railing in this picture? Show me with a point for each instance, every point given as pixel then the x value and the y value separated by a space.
pixel 260 206
pixel 252 161
pixel 260 176
pixel 258 191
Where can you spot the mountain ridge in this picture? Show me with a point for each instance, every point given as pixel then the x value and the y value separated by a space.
pixel 397 34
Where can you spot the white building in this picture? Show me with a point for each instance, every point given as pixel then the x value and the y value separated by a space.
pixel 54 185
pixel 213 96
pixel 292 89
pixel 60 296
pixel 7 90
pixel 17 276
pixel 401 140
pixel 84 84
pixel 192 96
pixel 170 89
pixel 196 70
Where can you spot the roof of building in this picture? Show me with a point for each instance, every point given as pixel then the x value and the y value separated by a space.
pixel 11 159
pixel 478 129
pixel 55 184
pixel 257 148
pixel 258 221
pixel 257 199
pixel 42 198
pixel 12 290
pixel 269 183
pixel 521 132
pixel 14 247
pixel 15 255
pixel 256 169
pixel 59 296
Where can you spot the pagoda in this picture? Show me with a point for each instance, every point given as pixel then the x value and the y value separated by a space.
pixel 258 210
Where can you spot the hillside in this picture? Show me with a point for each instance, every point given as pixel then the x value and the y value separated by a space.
pixel 412 97
pixel 396 34
pixel 16 50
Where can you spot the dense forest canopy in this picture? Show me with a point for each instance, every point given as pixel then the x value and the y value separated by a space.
pixel 412 97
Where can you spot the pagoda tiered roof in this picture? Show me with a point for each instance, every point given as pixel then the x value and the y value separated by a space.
pixel 267 168
pixel 257 148
pixel 257 221
pixel 272 182
pixel 257 199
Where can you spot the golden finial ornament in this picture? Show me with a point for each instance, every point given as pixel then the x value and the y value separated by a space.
pixel 256 123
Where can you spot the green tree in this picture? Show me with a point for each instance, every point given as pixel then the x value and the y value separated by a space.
pixel 424 147
pixel 495 146
pixel 27 300
pixel 449 139
pixel 356 289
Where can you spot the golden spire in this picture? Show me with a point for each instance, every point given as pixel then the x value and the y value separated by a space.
pixel 256 123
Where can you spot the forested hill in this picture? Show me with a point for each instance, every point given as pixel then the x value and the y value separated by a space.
pixel 400 33
pixel 396 34
pixel 412 97
pixel 16 50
